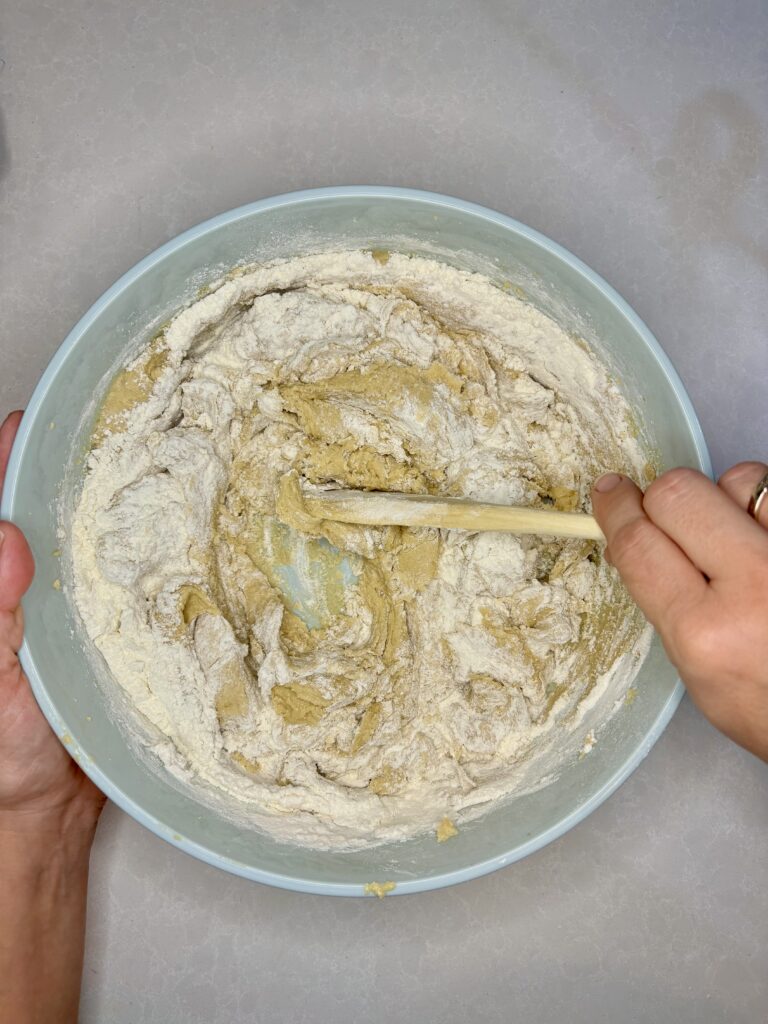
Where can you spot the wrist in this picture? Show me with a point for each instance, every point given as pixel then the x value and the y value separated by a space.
pixel 40 884
pixel 44 869
pixel 43 838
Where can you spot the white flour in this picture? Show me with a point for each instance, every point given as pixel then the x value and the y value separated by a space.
pixel 344 686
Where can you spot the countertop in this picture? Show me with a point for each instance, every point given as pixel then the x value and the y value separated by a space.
pixel 634 134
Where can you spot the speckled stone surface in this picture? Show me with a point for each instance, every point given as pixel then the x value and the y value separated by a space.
pixel 633 133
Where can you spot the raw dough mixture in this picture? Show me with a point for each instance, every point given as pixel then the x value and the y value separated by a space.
pixel 340 685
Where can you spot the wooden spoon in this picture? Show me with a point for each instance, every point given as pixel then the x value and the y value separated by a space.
pixel 380 508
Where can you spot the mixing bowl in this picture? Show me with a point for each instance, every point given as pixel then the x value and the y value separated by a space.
pixel 46 459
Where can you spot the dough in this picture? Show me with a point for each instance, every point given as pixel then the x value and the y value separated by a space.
pixel 338 685
pixel 445 830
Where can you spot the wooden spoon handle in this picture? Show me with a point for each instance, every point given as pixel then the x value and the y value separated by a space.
pixel 378 508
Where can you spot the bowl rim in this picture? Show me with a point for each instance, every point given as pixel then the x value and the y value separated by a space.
pixel 435 200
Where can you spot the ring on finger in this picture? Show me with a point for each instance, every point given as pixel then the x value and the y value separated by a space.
pixel 759 497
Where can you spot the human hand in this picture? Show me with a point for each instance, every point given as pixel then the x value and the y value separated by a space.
pixel 697 565
pixel 42 790
pixel 48 815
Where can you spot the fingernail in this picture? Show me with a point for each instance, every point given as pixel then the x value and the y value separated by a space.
pixel 608 482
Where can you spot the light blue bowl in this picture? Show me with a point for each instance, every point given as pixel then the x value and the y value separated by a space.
pixel 62 677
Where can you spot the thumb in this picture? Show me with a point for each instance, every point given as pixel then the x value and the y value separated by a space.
pixel 617 503
pixel 17 566
pixel 656 572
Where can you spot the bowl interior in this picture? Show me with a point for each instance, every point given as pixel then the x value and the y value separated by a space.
pixel 79 706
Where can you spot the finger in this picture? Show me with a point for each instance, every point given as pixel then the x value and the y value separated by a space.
pixel 7 434
pixel 656 572
pixel 700 518
pixel 17 566
pixel 739 483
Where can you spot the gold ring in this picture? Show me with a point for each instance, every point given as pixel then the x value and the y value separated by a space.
pixel 758 497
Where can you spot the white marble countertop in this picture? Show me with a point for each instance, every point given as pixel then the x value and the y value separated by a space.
pixel 634 134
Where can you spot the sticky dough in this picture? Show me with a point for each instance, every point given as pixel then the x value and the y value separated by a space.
pixel 338 685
